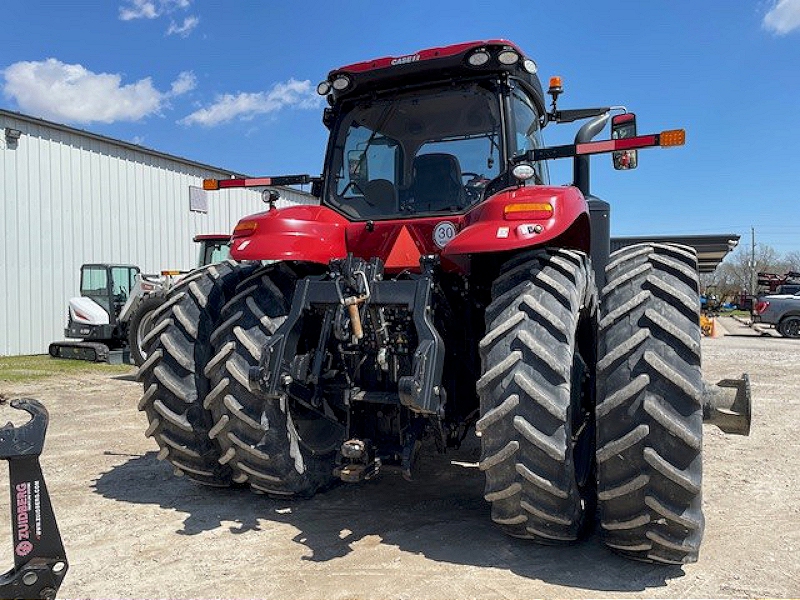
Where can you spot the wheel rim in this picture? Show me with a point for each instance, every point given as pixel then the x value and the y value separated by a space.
pixel 582 424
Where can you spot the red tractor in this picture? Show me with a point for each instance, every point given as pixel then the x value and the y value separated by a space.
pixel 443 284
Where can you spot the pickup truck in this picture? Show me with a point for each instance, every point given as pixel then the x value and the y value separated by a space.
pixel 780 310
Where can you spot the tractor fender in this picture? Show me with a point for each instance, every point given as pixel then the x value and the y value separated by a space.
pixel 303 233
pixel 502 224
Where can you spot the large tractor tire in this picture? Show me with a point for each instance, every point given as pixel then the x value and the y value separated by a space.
pixel 178 349
pixel 649 412
pixel 537 417
pixel 277 447
pixel 140 324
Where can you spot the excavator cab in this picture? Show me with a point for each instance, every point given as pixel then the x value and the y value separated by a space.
pixel 108 286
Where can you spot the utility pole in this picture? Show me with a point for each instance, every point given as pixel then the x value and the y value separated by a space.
pixel 753 261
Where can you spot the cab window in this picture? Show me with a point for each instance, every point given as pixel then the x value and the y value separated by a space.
pixel 527 132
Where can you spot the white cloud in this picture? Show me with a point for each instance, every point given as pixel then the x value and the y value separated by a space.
pixel 189 23
pixel 150 9
pixel 245 106
pixel 153 9
pixel 783 17
pixel 185 82
pixel 138 9
pixel 71 93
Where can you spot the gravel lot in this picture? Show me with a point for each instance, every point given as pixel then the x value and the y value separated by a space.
pixel 133 530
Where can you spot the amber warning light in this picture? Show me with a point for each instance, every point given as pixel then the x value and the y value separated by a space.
pixel 672 137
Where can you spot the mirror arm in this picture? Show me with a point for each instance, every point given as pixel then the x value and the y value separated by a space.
pixel 576 114
pixel 580 167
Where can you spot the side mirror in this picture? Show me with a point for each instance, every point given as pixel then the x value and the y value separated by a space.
pixel 316 187
pixel 624 126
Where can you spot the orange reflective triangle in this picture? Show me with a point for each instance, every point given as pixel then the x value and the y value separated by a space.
pixel 404 253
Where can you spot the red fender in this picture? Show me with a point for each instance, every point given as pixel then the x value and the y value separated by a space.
pixel 488 228
pixel 305 233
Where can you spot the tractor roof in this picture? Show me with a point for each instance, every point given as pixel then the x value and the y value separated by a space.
pixel 469 60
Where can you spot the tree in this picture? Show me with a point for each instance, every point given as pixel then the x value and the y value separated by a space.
pixel 736 273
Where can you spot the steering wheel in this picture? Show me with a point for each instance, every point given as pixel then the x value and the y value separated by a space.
pixel 472 176
pixel 474 186
pixel 353 184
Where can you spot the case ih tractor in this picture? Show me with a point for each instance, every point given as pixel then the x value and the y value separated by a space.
pixel 443 284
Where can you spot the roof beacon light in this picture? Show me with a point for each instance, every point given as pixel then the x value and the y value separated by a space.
pixel 478 58
pixel 556 86
pixel 530 66
pixel 210 184
pixel 341 83
pixel 508 57
pixel 323 88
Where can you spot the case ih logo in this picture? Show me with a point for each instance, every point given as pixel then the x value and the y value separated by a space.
pixel 405 59
pixel 24 547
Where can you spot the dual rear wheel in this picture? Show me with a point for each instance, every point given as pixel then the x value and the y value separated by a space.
pixel 547 441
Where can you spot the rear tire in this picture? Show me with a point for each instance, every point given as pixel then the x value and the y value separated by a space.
pixel 537 395
pixel 649 412
pixel 269 444
pixel 140 324
pixel 175 386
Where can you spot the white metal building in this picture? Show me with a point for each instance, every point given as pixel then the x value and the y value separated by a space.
pixel 69 197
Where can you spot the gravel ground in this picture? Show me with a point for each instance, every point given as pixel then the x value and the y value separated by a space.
pixel 133 530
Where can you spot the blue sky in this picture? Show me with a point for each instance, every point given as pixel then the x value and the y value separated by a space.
pixel 231 84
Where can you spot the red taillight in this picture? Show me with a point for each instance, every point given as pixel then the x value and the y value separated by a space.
pixel 761 306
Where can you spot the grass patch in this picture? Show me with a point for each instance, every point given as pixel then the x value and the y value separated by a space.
pixel 20 369
pixel 736 313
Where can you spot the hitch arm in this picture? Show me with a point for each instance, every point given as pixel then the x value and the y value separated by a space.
pixel 40 563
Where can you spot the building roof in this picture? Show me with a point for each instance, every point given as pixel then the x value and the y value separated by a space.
pixel 711 249
pixel 128 145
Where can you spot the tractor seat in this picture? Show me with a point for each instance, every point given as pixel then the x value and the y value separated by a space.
pixel 381 196
pixel 437 183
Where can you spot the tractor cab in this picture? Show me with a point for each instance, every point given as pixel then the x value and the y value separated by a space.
pixel 214 248
pixel 432 133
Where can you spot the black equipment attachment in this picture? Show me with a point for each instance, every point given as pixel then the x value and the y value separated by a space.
pixel 40 563
pixel 355 284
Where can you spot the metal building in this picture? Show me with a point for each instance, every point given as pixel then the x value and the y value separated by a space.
pixel 69 197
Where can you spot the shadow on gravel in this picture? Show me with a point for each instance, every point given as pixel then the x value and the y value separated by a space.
pixel 442 515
